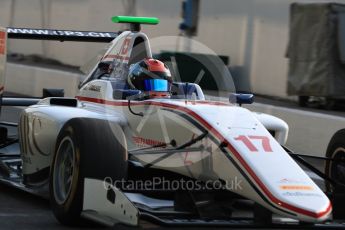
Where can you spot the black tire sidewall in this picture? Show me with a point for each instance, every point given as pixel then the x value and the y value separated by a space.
pixel 337 141
pixel 75 199
pixel 100 152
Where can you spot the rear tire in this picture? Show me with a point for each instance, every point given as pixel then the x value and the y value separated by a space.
pixel 85 148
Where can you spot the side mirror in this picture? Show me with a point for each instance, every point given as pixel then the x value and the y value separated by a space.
pixel 241 98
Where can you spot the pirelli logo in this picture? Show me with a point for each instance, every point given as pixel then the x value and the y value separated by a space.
pixel 2 42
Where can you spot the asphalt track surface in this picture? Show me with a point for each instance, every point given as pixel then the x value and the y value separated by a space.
pixel 22 211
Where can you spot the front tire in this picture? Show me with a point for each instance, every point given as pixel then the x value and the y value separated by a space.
pixel 85 148
pixel 336 169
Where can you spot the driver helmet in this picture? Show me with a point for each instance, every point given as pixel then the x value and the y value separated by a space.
pixel 150 75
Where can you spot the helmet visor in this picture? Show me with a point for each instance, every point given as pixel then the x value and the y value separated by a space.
pixel 156 85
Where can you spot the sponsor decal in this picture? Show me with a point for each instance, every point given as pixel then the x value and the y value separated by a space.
pixel 125 46
pixel 60 32
pixel 96 88
pixel 296 187
pixel 301 194
pixel 294 184
pixel 143 142
pixel 123 53
pixel 291 181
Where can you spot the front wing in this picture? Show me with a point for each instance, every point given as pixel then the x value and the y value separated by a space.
pixel 107 205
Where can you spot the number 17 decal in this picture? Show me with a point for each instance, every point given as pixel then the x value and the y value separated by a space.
pixel 248 142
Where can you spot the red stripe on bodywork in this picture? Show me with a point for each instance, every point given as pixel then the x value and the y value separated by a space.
pixel 229 146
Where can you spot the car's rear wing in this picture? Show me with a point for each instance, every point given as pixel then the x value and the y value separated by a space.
pixel 42 34
pixel 60 35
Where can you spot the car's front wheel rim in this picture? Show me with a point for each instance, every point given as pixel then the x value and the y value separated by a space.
pixel 64 170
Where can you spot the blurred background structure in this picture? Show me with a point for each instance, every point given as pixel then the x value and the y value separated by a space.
pixel 252 33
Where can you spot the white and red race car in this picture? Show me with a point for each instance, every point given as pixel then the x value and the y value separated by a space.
pixel 114 155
